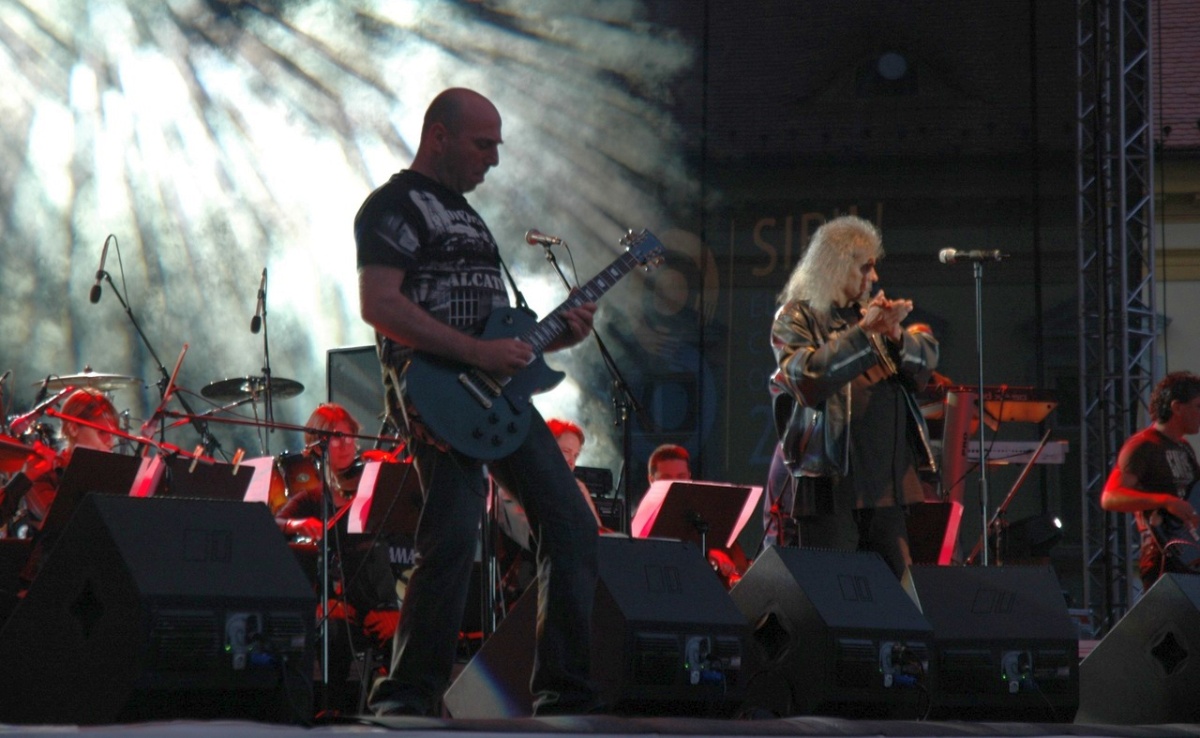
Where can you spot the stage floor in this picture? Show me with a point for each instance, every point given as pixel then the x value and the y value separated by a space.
pixel 600 725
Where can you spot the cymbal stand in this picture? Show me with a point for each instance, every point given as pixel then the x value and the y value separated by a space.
pixel 211 444
pixel 624 402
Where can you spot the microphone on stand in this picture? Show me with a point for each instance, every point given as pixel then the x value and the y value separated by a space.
pixel 94 295
pixel 21 421
pixel 534 237
pixel 256 321
pixel 953 256
pixel 41 395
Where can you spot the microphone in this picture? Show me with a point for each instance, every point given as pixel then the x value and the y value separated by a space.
pixel 534 237
pixel 256 321
pixel 94 295
pixel 45 390
pixel 18 424
pixel 953 256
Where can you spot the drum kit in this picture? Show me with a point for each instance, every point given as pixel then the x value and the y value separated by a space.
pixel 24 436
pixel 20 434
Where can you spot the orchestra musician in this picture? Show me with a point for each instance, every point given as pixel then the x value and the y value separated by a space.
pixel 429 277
pixel 29 494
pixel 669 461
pixel 570 440
pixel 1154 474
pixel 365 607
pixel 843 354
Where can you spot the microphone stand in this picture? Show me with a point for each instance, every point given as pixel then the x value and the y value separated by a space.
pixel 982 430
pixel 211 445
pixel 326 512
pixel 623 403
pixel 269 404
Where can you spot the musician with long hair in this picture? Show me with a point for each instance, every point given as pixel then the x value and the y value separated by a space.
pixel 28 496
pixel 852 436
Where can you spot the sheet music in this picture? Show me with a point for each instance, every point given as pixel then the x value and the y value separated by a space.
pixel 360 506
pixel 149 474
pixel 259 489
pixel 652 502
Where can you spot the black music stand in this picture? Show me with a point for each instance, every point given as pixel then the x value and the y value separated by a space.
pixel 90 471
pixel 696 511
pixel 391 506
pixel 207 481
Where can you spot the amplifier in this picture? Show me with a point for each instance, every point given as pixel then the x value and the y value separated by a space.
pixel 612 511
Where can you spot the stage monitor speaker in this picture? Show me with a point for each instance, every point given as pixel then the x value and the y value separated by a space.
pixel 1147 669
pixel 1005 646
pixel 666 640
pixel 353 381
pixel 835 635
pixel 158 609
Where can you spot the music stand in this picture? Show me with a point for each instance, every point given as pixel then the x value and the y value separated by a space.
pixel 388 500
pixel 89 471
pixel 695 511
pixel 207 481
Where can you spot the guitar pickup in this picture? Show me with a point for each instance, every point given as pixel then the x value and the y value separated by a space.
pixel 466 381
pixel 490 384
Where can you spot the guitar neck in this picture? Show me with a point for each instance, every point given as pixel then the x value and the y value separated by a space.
pixel 552 326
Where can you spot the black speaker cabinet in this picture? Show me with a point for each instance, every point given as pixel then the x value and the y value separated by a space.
pixel 1005 645
pixel 666 640
pixel 1147 669
pixel 835 635
pixel 161 609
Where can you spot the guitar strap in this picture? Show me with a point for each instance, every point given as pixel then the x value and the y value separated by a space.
pixel 512 282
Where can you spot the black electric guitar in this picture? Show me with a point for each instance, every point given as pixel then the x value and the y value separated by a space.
pixel 487 417
pixel 1174 537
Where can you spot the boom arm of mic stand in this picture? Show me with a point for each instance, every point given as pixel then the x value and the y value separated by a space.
pixel 627 402
pixel 210 443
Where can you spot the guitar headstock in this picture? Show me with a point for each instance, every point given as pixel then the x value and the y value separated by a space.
pixel 644 247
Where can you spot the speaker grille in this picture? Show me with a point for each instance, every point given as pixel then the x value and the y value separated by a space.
pixel 657 658
pixel 856 663
pixel 184 641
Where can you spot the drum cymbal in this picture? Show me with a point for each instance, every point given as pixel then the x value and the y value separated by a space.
pixel 102 382
pixel 240 388
pixel 13 454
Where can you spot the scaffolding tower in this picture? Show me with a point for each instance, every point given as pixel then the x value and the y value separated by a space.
pixel 1118 324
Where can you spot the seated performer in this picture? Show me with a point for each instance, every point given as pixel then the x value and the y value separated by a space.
pixel 670 462
pixel 366 607
pixel 570 441
pixel 29 494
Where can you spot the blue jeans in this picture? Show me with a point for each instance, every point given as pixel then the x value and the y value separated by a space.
pixel 447 535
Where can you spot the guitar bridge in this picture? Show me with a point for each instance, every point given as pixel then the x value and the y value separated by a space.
pixel 468 383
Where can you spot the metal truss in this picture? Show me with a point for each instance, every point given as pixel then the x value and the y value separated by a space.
pixel 1117 319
